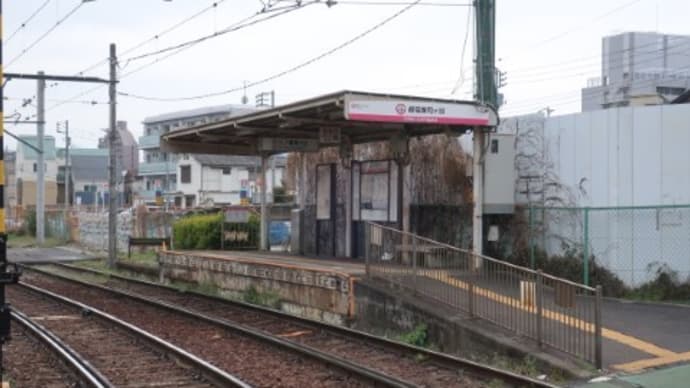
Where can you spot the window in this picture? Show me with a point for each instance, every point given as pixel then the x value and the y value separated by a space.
pixel 227 170
pixel 494 146
pixel 35 168
pixel 185 174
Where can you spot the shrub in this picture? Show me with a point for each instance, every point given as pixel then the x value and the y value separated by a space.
pixel 569 266
pixel 199 231
pixel 203 231
pixel 30 222
pixel 666 286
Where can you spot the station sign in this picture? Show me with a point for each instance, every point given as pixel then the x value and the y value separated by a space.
pixel 286 144
pixel 415 111
pixel 237 214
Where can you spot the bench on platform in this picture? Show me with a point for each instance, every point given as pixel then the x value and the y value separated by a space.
pixel 146 241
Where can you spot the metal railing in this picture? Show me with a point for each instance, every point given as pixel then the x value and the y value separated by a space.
pixel 553 311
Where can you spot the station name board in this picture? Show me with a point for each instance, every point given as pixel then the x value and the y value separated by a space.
pixel 415 111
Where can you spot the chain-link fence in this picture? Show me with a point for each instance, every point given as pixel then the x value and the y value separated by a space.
pixel 633 243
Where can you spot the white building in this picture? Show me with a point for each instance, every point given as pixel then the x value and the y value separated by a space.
pixel 629 166
pixel 639 68
pixel 159 169
pixel 26 171
pixel 207 180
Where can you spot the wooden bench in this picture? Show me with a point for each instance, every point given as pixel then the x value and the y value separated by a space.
pixel 146 241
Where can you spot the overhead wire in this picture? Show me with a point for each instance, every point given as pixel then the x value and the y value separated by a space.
pixel 280 11
pixel 246 22
pixel 26 22
pixel 45 34
pixel 157 36
pixel 281 73
pixel 461 77
pixel 572 29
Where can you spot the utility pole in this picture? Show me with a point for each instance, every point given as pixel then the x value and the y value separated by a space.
pixel 112 174
pixel 485 11
pixel 67 165
pixel 7 275
pixel 40 164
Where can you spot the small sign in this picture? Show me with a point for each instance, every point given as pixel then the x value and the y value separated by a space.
pixel 237 215
pixel 329 135
pixel 282 144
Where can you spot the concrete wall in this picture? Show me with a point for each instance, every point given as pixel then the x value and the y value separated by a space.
pixel 322 295
pixel 636 156
pixel 93 228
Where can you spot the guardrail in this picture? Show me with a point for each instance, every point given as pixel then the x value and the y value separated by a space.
pixel 553 311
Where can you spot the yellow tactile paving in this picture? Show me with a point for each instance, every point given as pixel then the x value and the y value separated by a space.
pixel 565 319
pixel 653 362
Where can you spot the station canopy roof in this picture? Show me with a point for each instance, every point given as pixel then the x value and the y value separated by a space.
pixel 329 120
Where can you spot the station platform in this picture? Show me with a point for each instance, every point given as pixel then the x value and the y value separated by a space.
pixel 346 266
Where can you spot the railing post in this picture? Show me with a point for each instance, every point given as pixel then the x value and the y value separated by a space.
pixel 540 309
pixel 367 248
pixel 530 231
pixel 598 359
pixel 414 263
pixel 585 249
pixel 470 296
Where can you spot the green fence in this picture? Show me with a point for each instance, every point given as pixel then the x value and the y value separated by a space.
pixel 633 243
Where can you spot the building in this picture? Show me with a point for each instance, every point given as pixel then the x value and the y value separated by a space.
pixel 10 188
pixel 614 182
pixel 639 68
pixel 26 169
pixel 89 174
pixel 159 169
pixel 207 180
pixel 128 148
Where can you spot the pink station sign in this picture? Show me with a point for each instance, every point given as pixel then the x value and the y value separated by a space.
pixel 416 111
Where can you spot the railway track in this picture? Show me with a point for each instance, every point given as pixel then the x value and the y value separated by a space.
pixel 35 358
pixel 257 358
pixel 415 365
pixel 105 351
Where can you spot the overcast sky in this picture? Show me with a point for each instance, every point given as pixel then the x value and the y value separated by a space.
pixel 549 48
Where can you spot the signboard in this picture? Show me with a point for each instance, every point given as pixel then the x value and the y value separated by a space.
pixel 279 144
pixel 329 135
pixel 415 111
pixel 238 215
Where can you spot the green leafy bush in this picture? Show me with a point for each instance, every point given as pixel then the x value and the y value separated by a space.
pixel 199 231
pixel 666 286
pixel 418 336
pixel 569 266
pixel 30 222
pixel 203 231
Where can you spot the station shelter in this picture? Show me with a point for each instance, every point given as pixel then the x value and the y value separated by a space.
pixel 353 159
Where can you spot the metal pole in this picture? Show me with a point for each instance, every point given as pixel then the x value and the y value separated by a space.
pixel 112 201
pixel 4 334
pixel 597 328
pixel 478 195
pixel 367 249
pixel 67 165
pixel 540 309
pixel 414 263
pixel 264 209
pixel 585 249
pixel 6 276
pixel 40 163
pixel 530 232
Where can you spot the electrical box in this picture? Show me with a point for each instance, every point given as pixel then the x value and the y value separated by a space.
pixel 499 174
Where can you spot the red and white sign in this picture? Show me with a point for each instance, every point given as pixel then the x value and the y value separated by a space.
pixel 416 111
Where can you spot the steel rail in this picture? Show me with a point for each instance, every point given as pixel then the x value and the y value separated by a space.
pixel 85 372
pixel 474 368
pixel 210 372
